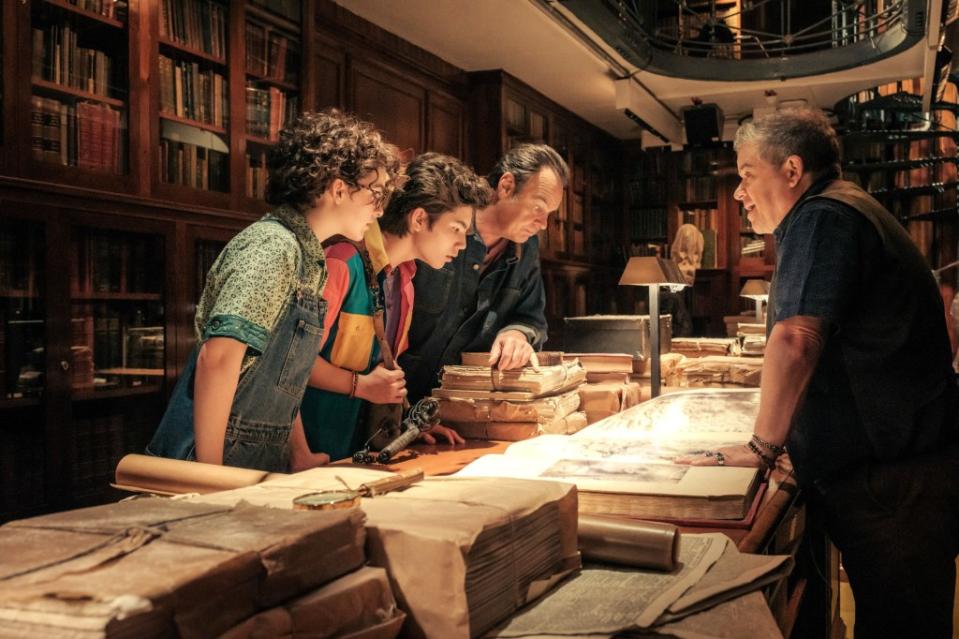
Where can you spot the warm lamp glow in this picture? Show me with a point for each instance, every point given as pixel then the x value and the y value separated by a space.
pixel 757 290
pixel 653 272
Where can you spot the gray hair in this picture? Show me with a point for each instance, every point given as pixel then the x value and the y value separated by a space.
pixel 805 132
pixel 526 160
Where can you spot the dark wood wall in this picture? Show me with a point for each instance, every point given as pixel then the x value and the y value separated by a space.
pixel 417 99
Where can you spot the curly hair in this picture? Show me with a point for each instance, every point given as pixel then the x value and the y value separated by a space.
pixel 438 184
pixel 317 148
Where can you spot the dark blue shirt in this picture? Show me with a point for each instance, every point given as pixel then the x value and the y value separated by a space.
pixel 882 385
pixel 462 307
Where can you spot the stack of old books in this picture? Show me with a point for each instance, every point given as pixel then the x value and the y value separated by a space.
pixel 481 402
pixel 608 388
pixel 462 554
pixel 706 346
pixel 722 372
pixel 163 568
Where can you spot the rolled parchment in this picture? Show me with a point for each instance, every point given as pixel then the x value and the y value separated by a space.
pixel 161 476
pixel 630 542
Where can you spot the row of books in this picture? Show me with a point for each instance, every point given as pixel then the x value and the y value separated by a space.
pixel 751 246
pixel 194 166
pixel 268 110
pixel 698 189
pixel 86 134
pixel 649 223
pixel 58 58
pixel 106 263
pixel 198 24
pixel 256 174
pixel 871 152
pixel 189 91
pixel 108 8
pixel 270 54
pixel 651 189
pixel 105 335
pixel 701 162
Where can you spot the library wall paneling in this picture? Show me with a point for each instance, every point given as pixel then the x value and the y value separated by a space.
pixel 396 106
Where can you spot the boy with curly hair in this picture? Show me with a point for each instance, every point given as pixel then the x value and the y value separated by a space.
pixel 259 324
pixel 370 296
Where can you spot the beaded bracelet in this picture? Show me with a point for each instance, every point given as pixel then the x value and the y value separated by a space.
pixel 767 462
pixel 778 450
pixel 353 387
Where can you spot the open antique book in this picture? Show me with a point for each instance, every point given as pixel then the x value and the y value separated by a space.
pixel 622 465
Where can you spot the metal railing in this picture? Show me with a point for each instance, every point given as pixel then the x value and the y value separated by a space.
pixel 752 39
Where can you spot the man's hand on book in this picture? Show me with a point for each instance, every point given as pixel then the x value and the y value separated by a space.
pixel 510 350
pixel 726 456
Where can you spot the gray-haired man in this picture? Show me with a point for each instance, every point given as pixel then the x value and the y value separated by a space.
pixel 857 379
pixel 490 297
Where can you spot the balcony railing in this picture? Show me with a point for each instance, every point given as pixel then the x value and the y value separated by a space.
pixel 753 40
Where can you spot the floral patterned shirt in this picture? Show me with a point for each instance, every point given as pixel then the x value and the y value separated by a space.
pixel 251 282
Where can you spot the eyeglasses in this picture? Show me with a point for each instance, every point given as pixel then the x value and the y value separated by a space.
pixel 378 197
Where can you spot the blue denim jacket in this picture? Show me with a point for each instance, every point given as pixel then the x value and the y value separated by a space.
pixel 460 308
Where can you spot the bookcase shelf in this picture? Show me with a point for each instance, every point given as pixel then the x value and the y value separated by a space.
pixel 14 293
pixel 89 15
pixel 115 393
pixel 271 18
pixel 192 52
pixel 60 90
pixel 280 84
pixel 194 123
pixel 253 139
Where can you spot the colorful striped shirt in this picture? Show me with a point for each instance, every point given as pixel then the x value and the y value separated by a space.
pixel 331 420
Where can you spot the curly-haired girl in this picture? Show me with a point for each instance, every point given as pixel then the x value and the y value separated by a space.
pixel 259 323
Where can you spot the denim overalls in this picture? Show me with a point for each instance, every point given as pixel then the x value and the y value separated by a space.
pixel 267 397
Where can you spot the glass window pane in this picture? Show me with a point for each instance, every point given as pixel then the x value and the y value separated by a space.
pixel 22 331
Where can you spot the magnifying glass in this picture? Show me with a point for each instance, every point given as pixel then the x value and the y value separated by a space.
pixel 341 499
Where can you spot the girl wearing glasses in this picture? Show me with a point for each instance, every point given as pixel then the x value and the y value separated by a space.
pixel 259 323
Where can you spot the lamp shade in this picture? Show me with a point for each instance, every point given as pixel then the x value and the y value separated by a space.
pixel 652 271
pixel 755 289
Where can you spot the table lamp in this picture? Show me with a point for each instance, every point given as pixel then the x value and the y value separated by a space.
pixel 757 290
pixel 653 272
